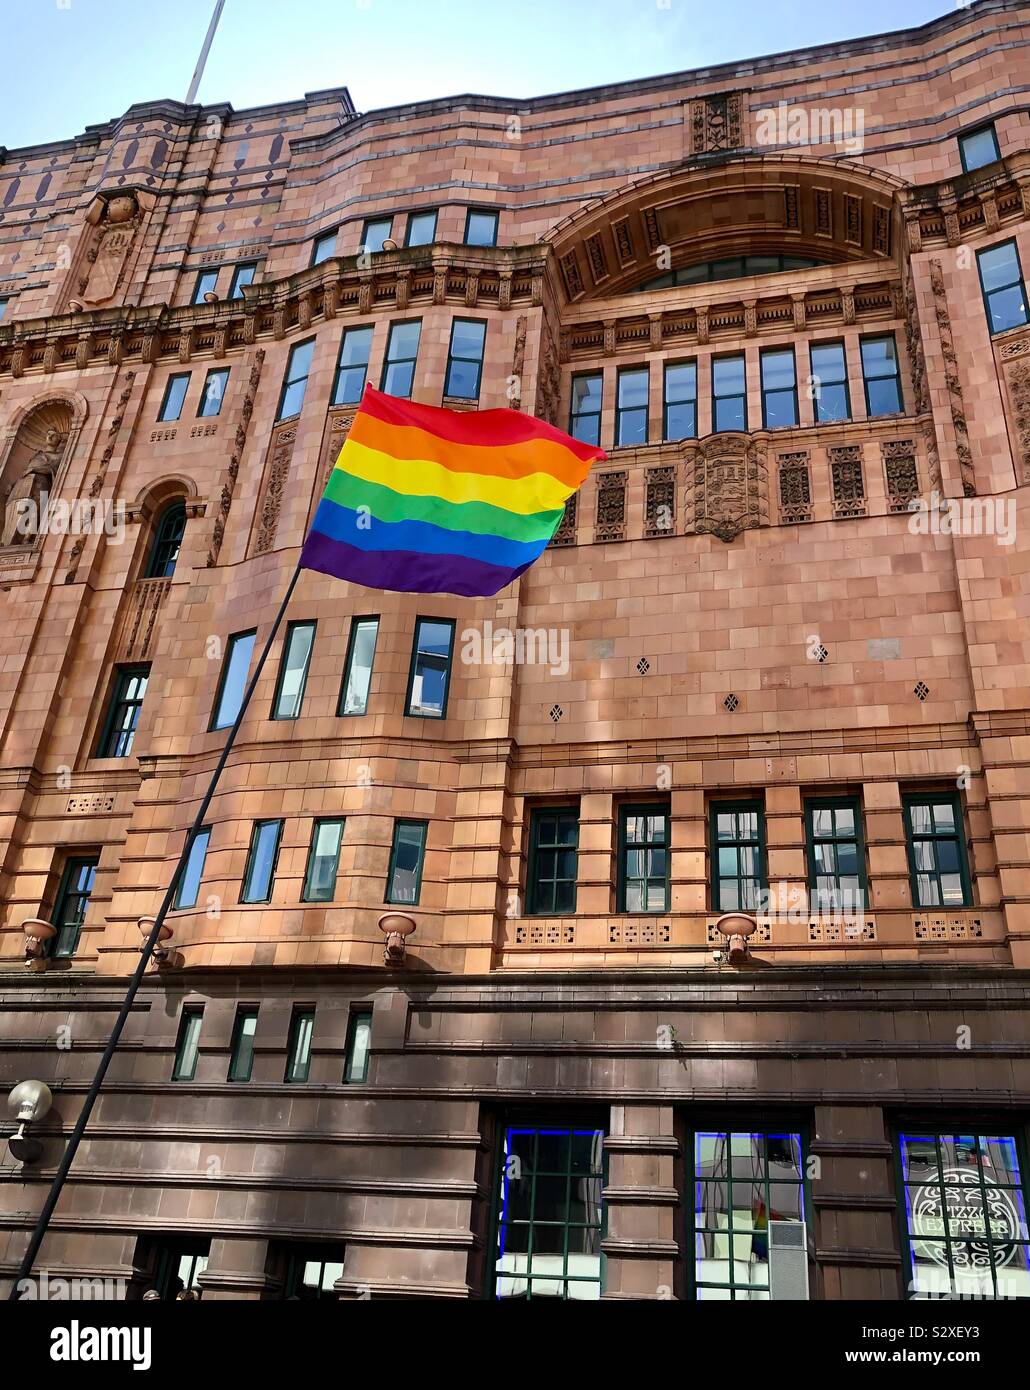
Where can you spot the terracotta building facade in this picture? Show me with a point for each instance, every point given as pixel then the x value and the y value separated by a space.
pixel 659 928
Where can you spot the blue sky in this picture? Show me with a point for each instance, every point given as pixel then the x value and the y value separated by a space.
pixel 71 63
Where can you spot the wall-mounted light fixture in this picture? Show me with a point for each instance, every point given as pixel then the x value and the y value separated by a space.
pixel 28 1102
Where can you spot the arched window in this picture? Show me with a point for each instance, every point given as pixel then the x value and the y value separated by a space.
pixel 164 549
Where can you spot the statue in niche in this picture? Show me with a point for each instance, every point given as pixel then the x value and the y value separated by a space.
pixel 115 222
pixel 27 500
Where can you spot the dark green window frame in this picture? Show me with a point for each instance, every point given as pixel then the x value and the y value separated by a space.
pixel 430 660
pixel 222 719
pixel 936 837
pixel 356 625
pixel 989 295
pixel 757 1158
pixel 174 398
pixel 295 380
pixel 359 1047
pixel 241 1052
pixel 323 248
pixel 750 897
pixel 585 425
pixel 820 380
pixel 327 1258
pixel 242 276
pixel 869 376
pixel 721 395
pixel 393 362
pixel 456 359
pixel 187 890
pixel 415 219
pixel 310 895
pixel 256 836
pixel 187 1042
pixel 632 419
pixel 398 827
pixel 167 541
pixel 72 903
pixel 178 1264
pixel 837 904
pixel 213 394
pixel 775 395
pixel 295 632
pixel 489 215
pixel 206 283
pixel 672 401
pixel 362 334
pixel 544 1165
pixel 966 136
pixel 647 845
pixel 377 240
pixel 123 711
pixel 298 1046
pixel 547 850
pixel 956 1225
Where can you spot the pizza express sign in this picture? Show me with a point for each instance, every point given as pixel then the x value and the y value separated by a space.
pixel 963 1217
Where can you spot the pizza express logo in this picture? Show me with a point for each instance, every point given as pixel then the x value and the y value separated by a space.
pixel 968 1208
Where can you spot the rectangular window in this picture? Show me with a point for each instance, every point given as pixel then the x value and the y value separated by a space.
pixel 352 366
pixel 729 393
pixel 978 147
pixel 323 858
pixel 295 382
pixel 177 1265
pixel 936 850
pixel 880 375
pixel 836 857
pixel 585 407
pixel 738 856
pixel 187 1044
pixel 741 1181
pixel 261 861
pixel 421 229
pixel 1001 281
pixel 779 388
pixel 3 307
pixel 359 1040
pixel 679 411
pixel 404 879
pixel 188 891
pixel 312 1272
pixel 830 382
pixel 480 227
pixel 401 355
pixel 242 276
pixel 553 842
pixel 631 405
pixel 465 359
pixel 357 673
pixel 241 1055
pixel 206 282
pixel 324 247
pixel 293 671
pixel 963 1206
pixel 298 1048
pixel 375 231
pixel 430 675
pixel 72 901
pixel 644 859
pixel 232 683
pixel 175 394
pixel 213 393
pixel 123 712
pixel 550 1215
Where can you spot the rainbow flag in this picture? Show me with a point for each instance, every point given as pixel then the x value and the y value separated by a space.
pixel 434 501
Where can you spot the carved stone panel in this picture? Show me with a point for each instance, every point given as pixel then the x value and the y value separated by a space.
pixel 566 532
pixel 660 502
pixel 795 487
pixel 731 486
pixel 280 454
pixel 716 123
pixel 611 507
pixel 901 473
pixel 1015 358
pixel 848 481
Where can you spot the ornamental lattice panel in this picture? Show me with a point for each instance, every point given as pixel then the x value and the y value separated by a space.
pixel 795 487
pixel 611 507
pixel 848 481
pixel 900 474
pixel 660 502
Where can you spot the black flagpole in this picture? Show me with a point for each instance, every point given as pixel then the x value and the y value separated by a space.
pixel 147 951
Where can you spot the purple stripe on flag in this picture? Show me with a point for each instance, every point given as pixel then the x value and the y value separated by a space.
pixel 405 571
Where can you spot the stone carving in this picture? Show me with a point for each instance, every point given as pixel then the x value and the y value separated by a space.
pixel 823 212
pixel 1015 358
pixel 716 123
pixel 914 343
pixel 623 234
pixel 597 258
pixel 566 532
pixel 791 206
pixel 852 219
pixel 115 222
pixel 518 362
pixel 283 441
pixel 881 230
pixel 548 389
pixel 795 487
pixel 27 499
pixel 901 473
pixel 951 376
pixel 731 486
pixel 571 275
pixel 660 501
pixel 232 471
pixel 611 507
pixel 848 481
